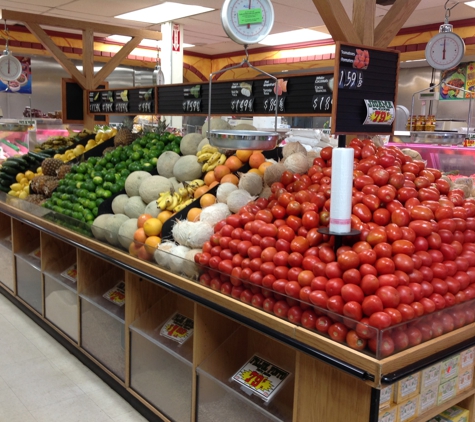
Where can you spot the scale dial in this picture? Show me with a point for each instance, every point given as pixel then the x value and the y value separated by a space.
pixel 445 51
pixel 259 13
pixel 10 67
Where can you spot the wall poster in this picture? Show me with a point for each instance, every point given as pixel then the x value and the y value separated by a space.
pixel 460 78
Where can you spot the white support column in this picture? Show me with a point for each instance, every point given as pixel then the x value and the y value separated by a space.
pixel 172 60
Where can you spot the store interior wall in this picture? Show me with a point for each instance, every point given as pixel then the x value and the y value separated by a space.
pixel 47 75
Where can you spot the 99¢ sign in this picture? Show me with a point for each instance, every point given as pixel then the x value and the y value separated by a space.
pixel 379 112
pixel 260 377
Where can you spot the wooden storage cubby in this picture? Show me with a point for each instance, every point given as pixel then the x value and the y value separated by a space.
pixel 61 299
pixel 7 276
pixel 102 332
pixel 29 281
pixel 161 369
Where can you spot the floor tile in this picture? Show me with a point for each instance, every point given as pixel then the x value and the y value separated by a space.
pixel 130 417
pixel 10 405
pixel 78 409
pixel 29 371
pixel 86 380
pixel 52 389
pixel 111 402
pixel 23 416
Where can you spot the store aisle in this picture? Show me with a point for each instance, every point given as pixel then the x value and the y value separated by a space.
pixel 41 381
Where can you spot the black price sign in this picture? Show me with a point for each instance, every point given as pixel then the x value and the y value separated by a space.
pixel 146 102
pixel 270 103
pixel 192 106
pixel 362 73
pixel 270 88
pixel 243 105
pixel 121 99
pixel 322 103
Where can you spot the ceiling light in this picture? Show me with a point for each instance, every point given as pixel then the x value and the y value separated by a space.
pixel 164 12
pixel 470 3
pixel 293 37
pixel 144 43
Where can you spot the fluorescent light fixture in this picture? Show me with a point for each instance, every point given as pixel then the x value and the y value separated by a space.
pixel 293 37
pixel 470 3
pixel 145 43
pixel 165 12
pixel 416 60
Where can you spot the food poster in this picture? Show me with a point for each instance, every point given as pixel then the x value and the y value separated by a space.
pixel 459 78
pixel 23 84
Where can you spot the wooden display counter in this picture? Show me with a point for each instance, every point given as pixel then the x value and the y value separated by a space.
pixel 328 381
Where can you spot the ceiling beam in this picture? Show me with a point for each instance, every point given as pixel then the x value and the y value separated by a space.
pixel 393 21
pixel 57 53
pixel 115 61
pixel 81 25
pixel 364 12
pixel 88 57
pixel 337 21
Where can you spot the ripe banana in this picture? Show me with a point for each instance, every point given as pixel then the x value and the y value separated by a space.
pixel 214 158
pixel 204 157
pixel 175 200
pixel 195 184
pixel 222 159
pixel 183 205
pixel 207 148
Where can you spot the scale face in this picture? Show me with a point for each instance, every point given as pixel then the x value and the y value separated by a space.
pixel 247 21
pixel 10 67
pixel 445 51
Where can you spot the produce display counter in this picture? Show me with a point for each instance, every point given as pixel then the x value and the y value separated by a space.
pixel 327 380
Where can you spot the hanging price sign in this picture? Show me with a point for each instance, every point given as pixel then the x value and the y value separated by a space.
pixel 260 377
pixel 379 112
pixel 178 328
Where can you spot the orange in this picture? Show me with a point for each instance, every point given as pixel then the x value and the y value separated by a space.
pixel 142 219
pixel 143 254
pixel 140 236
pixel 200 191
pixel 209 177
pixel 152 227
pixel 151 244
pixel 244 154
pixel 207 199
pixel 256 159
pixel 264 165
pixel 164 216
pixel 193 214
pixel 134 249
pixel 230 178
pixel 233 163
pixel 221 171
pixel 214 184
pixel 257 171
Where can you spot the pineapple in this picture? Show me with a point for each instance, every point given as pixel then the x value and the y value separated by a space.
pixel 63 171
pixel 49 166
pixel 38 182
pixel 124 135
pixel 49 186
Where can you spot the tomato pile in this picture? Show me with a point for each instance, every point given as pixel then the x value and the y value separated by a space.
pixel 414 257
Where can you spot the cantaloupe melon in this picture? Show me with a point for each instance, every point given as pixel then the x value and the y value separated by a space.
pixel 176 185
pixel 152 187
pixel 134 207
pixel 118 203
pixel 204 142
pixel 189 143
pixel 152 209
pixel 216 123
pixel 244 126
pixel 133 181
pixel 112 228
pixel 165 163
pixel 99 226
pixel 126 232
pixel 187 168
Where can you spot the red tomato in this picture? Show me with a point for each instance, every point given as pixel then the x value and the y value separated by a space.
pixel 352 293
pixel 353 310
pixel 338 332
pixel 389 296
pixel 372 304
pixel 323 323
pixel 369 284
pixel 380 320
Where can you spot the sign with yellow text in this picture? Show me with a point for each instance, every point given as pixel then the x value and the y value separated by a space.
pixel 178 328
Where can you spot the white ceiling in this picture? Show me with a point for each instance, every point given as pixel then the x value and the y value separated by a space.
pixel 205 30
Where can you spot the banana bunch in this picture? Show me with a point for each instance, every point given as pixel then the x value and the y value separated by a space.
pixel 176 201
pixel 211 157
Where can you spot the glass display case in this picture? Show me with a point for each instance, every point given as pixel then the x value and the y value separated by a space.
pixel 13 139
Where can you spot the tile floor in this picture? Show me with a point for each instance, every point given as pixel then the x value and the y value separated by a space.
pixel 40 381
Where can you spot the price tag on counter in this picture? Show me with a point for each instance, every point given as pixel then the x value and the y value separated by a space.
pixel 178 328
pixel 116 295
pixel 260 377
pixel 379 112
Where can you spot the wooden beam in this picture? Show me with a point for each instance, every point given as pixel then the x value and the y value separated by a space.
pixel 57 53
pixel 88 57
pixel 364 12
pixel 393 21
pixel 81 25
pixel 116 60
pixel 337 21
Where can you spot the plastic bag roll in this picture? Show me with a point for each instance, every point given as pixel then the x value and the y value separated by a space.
pixel 341 190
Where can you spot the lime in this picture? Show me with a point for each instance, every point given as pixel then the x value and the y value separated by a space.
pixel 109 177
pixel 92 196
pixel 107 193
pixel 89 186
pixel 107 185
pixel 77 215
pixel 92 160
pixel 135 167
pixel 95 211
pixel 99 201
pixel 148 167
pixel 114 188
pixel 97 180
pixel 82 168
pixel 77 207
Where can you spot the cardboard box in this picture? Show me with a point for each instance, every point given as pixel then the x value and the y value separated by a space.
pixel 430 377
pixel 386 396
pixel 388 414
pixel 428 399
pixel 465 379
pixel 407 388
pixel 447 391
pixel 449 368
pixel 467 358
pixel 456 414
pixel 408 410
